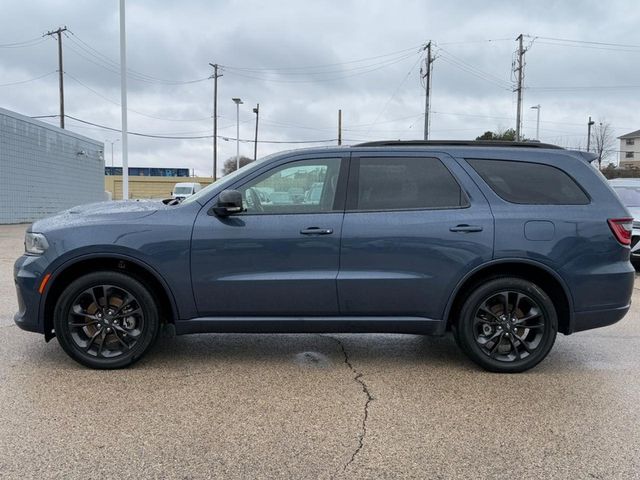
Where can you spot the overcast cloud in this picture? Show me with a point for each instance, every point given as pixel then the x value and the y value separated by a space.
pixel 265 44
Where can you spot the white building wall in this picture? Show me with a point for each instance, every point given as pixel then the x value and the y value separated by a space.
pixel 633 162
pixel 45 169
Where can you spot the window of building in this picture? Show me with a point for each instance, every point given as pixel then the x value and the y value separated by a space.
pixel 529 183
pixel 628 154
pixel 406 183
pixel 630 141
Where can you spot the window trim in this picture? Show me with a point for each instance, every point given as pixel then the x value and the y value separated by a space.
pixel 494 192
pixel 338 201
pixel 354 182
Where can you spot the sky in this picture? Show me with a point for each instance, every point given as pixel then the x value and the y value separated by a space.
pixel 302 61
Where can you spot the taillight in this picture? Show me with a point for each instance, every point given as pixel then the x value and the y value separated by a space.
pixel 621 228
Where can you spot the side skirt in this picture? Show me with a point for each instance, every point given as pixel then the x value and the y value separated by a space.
pixel 416 325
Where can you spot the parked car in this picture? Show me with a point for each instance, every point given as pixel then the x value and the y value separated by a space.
pixel 505 244
pixel 628 189
pixel 183 190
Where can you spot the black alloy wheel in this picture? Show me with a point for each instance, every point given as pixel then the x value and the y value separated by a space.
pixel 507 325
pixel 106 320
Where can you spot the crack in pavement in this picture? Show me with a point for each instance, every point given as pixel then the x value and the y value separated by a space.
pixel 365 389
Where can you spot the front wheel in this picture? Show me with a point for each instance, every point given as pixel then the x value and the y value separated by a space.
pixel 507 325
pixel 106 320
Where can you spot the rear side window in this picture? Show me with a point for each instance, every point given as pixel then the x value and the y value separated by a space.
pixel 529 183
pixel 406 183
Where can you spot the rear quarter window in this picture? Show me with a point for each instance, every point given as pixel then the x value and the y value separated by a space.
pixel 529 183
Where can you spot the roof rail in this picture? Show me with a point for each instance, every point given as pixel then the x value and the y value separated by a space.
pixel 457 143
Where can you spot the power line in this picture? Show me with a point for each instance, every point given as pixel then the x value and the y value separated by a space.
pixel 197 137
pixel 28 80
pixel 98 58
pixel 395 92
pixel 25 43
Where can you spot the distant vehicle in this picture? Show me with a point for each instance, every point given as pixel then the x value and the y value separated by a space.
pixel 185 189
pixel 504 244
pixel 628 189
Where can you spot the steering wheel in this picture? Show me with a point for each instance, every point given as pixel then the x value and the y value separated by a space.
pixel 254 199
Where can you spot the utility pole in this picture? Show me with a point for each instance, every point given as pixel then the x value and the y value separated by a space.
pixel 339 127
pixel 215 119
pixel 520 73
pixel 426 76
pixel 255 142
pixel 58 32
pixel 589 124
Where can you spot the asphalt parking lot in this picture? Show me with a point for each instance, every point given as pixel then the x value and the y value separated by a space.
pixel 316 406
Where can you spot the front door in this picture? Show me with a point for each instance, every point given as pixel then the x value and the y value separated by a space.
pixel 415 223
pixel 280 257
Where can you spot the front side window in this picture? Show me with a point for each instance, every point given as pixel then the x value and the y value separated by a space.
pixel 529 183
pixel 406 183
pixel 630 141
pixel 305 186
pixel 628 155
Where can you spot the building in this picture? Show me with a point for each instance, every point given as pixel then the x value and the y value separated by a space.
pixel 148 182
pixel 45 169
pixel 630 150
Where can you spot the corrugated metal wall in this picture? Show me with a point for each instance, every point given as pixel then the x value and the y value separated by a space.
pixel 44 169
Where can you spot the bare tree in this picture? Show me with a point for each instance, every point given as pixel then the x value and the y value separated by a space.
pixel 603 141
pixel 230 164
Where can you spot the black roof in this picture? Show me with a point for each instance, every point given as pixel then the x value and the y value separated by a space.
pixel 457 143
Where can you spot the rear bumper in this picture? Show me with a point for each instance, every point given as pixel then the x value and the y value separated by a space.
pixel 598 318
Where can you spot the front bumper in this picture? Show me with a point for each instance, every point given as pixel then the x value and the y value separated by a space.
pixel 27 275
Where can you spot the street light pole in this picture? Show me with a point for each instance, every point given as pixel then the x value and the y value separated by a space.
pixel 238 102
pixel 537 107
pixel 112 142
pixel 255 143
pixel 589 124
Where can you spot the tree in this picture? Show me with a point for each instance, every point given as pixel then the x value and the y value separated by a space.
pixel 603 141
pixel 508 135
pixel 230 164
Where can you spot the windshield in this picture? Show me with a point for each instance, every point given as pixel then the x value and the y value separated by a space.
pixel 227 179
pixel 181 190
pixel 630 196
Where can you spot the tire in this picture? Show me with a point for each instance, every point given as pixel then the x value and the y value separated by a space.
pixel 511 343
pixel 106 320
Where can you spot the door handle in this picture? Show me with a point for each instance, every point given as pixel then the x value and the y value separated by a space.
pixel 464 228
pixel 316 231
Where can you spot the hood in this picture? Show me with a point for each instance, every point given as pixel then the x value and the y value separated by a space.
pixel 100 212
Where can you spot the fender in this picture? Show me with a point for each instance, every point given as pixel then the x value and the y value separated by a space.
pixel 68 260
pixel 499 261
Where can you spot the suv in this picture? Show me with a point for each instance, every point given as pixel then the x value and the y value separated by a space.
pixel 505 244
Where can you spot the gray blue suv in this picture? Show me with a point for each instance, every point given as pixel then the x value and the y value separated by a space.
pixel 504 244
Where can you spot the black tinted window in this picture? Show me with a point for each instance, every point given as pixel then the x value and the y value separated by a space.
pixel 405 183
pixel 530 183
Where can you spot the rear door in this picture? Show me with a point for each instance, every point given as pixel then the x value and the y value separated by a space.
pixel 415 223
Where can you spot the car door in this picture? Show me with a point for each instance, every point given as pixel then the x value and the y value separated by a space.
pixel 414 224
pixel 280 256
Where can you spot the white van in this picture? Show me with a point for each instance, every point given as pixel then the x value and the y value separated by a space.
pixel 184 190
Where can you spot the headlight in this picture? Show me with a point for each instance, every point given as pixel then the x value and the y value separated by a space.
pixel 35 243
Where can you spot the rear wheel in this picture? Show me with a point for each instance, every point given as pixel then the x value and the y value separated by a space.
pixel 507 325
pixel 106 320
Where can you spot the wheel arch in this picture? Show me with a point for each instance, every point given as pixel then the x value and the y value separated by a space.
pixel 542 275
pixel 115 262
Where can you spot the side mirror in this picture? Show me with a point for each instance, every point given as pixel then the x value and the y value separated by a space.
pixel 229 203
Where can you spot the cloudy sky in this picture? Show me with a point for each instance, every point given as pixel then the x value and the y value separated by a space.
pixel 302 61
